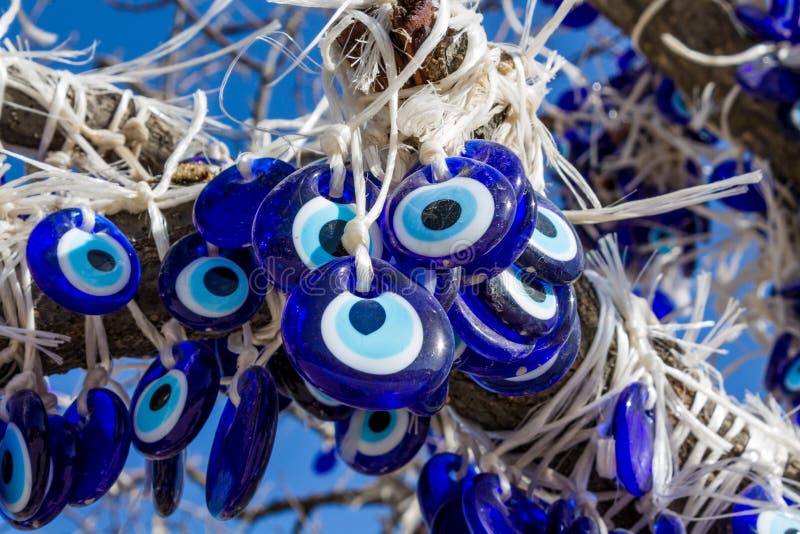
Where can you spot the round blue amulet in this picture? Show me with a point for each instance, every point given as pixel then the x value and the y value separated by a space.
pixel 441 225
pixel 554 252
pixel 747 519
pixel 310 399
pixel 387 348
pixel 379 442
pixel 439 483
pixel 62 442
pixel 487 512
pixel 242 444
pixel 210 292
pixel 668 523
pixel 170 406
pixel 93 271
pixel 299 225
pixel 226 207
pixel 25 456
pixel 104 440
pixel 634 438
pixel 167 480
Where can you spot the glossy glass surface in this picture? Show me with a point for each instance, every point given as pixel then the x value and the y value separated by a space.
pixel 441 283
pixel 756 520
pixel 753 200
pixel 439 483
pixel 433 402
pixel 779 23
pixel 668 523
pixel 634 436
pixel 560 516
pixel 767 78
pixel 167 479
pixel 486 512
pixel 449 519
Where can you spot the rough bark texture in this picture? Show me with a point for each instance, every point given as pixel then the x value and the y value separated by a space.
pixel 703 25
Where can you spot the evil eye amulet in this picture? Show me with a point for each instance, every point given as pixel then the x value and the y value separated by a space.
pixel 748 519
pixel 379 442
pixel 104 440
pixel 386 348
pixel 24 456
pixel 554 252
pixel 93 271
pixel 170 406
pixel 439 483
pixel 299 226
pixel 670 102
pixel 292 385
pixel 210 292
pixel 167 478
pixel 486 512
pixel 441 225
pixel 542 377
pixel 777 24
pixel 242 444
pixel 62 440
pixel 515 241
pixel 634 438
pixel 225 208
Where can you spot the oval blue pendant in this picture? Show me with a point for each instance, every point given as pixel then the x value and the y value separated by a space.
pixel 441 225
pixel 62 444
pixel 208 292
pixel 560 516
pixel 449 519
pixel 554 252
pixel 668 523
pixel 634 436
pixel 24 456
pixel 387 348
pixel 487 513
pixel 104 439
pixel 93 271
pixel 291 384
pixel 325 461
pixel 765 77
pixel 299 225
pixel 379 442
pixel 242 445
pixel 167 479
pixel 170 406
pixel 226 207
pixel 777 24
pixel 439 484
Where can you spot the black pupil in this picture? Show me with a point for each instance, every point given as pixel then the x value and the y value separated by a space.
pixel 379 421
pixel 535 290
pixel 367 316
pixel 101 260
pixel 8 467
pixel 330 238
pixel 221 281
pixel 441 214
pixel 160 397
pixel 545 225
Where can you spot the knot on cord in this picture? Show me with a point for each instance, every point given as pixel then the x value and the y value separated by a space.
pixel 59 158
pixel 336 140
pixel 96 377
pixel 356 234
pixel 432 153
pixel 135 131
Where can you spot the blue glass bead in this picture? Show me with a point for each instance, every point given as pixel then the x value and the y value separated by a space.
pixel 449 519
pixel 777 24
pixel 573 99
pixel 486 512
pixel 379 442
pixel 61 442
pixel 748 519
pixel 545 349
pixel 583 525
pixel 441 225
pixel 753 200
pixel 170 406
pixel 515 241
pixel 554 253
pixel 167 478
pixel 299 225
pixel 541 378
pixel 104 439
pixel 671 104
pixel 668 523
pixel 439 484
pixel 25 456
pixel 634 436
pixel 766 78
pixel 432 403
pixel 210 292
pixel 291 384
pixel 560 516
pixel 226 207
pixel 325 461
pixel 384 349
pixel 242 445
pixel 441 283
pixel 93 272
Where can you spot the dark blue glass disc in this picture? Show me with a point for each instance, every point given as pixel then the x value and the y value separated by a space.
pixel 439 484
pixel 486 511
pixel 634 436
pixel 167 479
